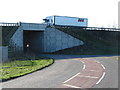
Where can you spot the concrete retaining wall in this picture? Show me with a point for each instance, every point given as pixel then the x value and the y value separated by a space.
pixel 33 26
pixel 51 40
pixel 17 39
pixel 3 53
pixel 0 36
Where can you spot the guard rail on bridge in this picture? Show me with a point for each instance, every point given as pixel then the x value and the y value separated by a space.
pixel 26 26
pixel 100 28
pixel 89 28
pixel 9 24
pixel 38 26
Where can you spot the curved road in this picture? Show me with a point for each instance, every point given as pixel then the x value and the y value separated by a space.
pixel 65 67
pixel 49 77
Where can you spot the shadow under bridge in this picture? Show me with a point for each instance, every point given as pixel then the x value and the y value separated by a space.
pixel 33 41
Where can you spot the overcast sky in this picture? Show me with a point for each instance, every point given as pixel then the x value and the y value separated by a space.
pixel 100 13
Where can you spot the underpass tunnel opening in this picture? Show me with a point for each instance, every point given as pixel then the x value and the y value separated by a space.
pixel 33 41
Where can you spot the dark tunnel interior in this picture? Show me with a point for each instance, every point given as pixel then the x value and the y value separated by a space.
pixel 33 41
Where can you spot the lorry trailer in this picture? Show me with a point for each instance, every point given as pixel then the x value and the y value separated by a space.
pixel 66 21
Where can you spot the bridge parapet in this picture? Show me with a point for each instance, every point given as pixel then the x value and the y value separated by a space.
pixel 33 26
pixel 9 24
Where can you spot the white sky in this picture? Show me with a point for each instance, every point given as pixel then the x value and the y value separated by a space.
pixel 100 13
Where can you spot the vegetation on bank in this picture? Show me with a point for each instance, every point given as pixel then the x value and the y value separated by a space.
pixel 17 68
pixel 96 42
pixel 118 57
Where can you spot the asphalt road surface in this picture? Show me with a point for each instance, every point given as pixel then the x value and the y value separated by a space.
pixel 65 67
pixel 111 68
pixel 49 77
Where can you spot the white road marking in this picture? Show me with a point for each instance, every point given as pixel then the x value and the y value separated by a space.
pixel 71 78
pixel 88 76
pixel 92 70
pixel 71 86
pixel 101 78
pixel 85 76
pixel 84 67
pixel 103 66
pixel 82 61
pixel 97 62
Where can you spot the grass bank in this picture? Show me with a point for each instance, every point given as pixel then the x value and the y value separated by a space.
pixel 17 68
pixel 96 42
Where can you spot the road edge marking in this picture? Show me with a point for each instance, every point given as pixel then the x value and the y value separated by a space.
pixel 71 86
pixel 101 78
pixel 103 66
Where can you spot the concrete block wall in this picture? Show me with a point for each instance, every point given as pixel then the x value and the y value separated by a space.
pixel 52 39
pixel 3 53
pixel 17 39
pixel 55 40
pixel 33 26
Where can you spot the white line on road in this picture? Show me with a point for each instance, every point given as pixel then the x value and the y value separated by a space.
pixel 103 66
pixel 82 61
pixel 92 70
pixel 101 78
pixel 71 78
pixel 97 62
pixel 71 86
pixel 88 76
pixel 84 67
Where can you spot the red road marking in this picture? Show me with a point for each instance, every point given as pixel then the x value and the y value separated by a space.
pixel 90 75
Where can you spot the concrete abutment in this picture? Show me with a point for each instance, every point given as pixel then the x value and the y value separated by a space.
pixel 42 39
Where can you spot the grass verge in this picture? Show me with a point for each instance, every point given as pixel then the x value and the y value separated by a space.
pixel 17 68
pixel 118 57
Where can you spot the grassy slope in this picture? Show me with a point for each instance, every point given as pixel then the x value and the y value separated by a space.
pixel 95 42
pixel 7 33
pixel 21 67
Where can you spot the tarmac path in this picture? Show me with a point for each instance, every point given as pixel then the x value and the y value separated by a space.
pixel 71 71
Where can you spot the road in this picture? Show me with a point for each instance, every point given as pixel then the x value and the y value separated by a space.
pixel 49 77
pixel 65 67
pixel 111 68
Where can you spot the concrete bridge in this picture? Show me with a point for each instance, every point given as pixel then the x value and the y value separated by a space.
pixel 41 38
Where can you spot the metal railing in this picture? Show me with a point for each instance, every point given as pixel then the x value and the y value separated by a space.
pixel 90 28
pixel 100 28
pixel 10 24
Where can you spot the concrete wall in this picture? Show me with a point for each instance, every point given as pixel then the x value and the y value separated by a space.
pixel 0 35
pixel 3 53
pixel 50 40
pixel 55 40
pixel 33 26
pixel 17 39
